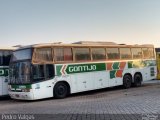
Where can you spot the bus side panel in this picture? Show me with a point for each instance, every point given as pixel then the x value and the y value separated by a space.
pixel 43 89
pixel 89 81
pixel 150 73
pixel 112 82
pixel 101 79
pixel 81 82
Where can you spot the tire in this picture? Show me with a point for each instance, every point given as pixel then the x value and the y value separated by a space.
pixel 60 90
pixel 127 81
pixel 137 80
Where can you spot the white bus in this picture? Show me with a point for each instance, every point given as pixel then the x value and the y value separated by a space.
pixel 57 70
pixel 5 55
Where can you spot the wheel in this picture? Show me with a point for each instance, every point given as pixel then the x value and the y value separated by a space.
pixel 127 81
pixel 137 80
pixel 60 90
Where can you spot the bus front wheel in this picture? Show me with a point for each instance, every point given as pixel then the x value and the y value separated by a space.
pixel 60 90
pixel 127 81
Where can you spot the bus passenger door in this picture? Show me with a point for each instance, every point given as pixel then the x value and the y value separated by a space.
pixel 44 74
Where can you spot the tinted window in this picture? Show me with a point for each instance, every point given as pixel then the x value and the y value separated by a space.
pixel 137 53
pixel 19 72
pixel 98 53
pixel 42 72
pixel 145 52
pixel 21 54
pixel 43 55
pixel 38 72
pixel 63 54
pixel 49 71
pixel 112 53
pixel 151 52
pixel 68 56
pixel 82 54
pixel 125 53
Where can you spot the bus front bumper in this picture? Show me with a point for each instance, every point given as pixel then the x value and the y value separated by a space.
pixel 21 95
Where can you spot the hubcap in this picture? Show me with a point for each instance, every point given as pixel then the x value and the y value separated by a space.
pixel 128 82
pixel 138 80
pixel 61 90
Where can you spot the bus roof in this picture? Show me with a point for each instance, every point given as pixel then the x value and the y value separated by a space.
pixel 84 44
pixel 7 48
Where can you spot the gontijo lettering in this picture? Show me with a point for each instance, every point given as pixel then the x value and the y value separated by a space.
pixel 79 68
pixel 82 68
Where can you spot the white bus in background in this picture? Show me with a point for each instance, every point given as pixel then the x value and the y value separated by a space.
pixel 5 55
pixel 57 70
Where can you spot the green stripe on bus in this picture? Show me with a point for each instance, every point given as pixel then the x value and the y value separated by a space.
pixel 80 68
pixel 4 71
pixel 64 69
pixel 21 86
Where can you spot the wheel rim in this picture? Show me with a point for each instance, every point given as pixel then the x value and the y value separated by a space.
pixel 138 80
pixel 128 82
pixel 61 90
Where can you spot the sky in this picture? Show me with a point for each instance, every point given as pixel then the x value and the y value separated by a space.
pixel 26 22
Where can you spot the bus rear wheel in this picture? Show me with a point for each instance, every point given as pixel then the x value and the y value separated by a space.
pixel 127 81
pixel 60 90
pixel 137 80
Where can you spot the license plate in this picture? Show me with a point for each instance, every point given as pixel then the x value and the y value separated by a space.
pixel 17 95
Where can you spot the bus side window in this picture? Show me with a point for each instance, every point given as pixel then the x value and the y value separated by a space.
pixel 98 53
pixel 38 72
pixel 136 53
pixel 125 53
pixel 43 55
pixel 145 52
pixel 82 54
pixel 59 54
pixel 151 53
pixel 49 71
pixel 113 53
pixel 63 54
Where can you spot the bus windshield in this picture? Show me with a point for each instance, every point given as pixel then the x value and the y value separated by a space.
pixel 20 72
pixel 21 55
